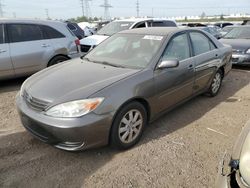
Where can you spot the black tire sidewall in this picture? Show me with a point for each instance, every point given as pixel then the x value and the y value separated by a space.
pixel 55 60
pixel 115 140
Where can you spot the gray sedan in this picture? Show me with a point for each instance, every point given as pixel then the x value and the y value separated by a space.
pixel 126 82
pixel 239 39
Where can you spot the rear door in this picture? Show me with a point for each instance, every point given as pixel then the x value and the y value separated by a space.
pixel 29 51
pixel 6 67
pixel 206 56
pixel 175 84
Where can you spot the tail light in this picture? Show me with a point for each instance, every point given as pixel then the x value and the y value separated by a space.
pixel 77 42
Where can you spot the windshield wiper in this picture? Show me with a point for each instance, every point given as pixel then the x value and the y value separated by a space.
pixel 110 64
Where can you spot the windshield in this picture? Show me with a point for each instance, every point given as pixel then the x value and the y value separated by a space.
pixel 238 33
pixel 126 50
pixel 114 27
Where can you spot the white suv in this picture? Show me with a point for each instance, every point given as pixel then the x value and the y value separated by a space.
pixel 116 26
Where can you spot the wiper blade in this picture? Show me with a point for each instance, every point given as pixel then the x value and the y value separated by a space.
pixel 110 64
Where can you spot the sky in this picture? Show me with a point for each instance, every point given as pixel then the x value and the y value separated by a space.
pixel 64 9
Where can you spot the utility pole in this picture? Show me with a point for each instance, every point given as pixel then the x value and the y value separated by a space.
pixel 82 5
pixel 87 8
pixel 138 8
pixel 106 7
pixel 1 9
pixel 47 13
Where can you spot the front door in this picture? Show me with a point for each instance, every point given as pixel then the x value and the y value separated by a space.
pixel 28 48
pixel 175 84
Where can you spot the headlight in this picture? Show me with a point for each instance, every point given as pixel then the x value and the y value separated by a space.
pixel 75 108
pixel 248 51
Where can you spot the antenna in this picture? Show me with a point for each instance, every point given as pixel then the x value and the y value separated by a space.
pixel 106 7
pixel 82 5
pixel 1 9
pixel 138 8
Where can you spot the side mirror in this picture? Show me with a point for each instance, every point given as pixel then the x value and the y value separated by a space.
pixel 171 63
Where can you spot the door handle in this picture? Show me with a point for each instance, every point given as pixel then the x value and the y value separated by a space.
pixel 2 51
pixel 45 45
pixel 190 67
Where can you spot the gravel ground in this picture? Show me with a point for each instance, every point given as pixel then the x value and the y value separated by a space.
pixel 181 149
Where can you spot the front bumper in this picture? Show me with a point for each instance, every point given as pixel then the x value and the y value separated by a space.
pixel 240 59
pixel 71 134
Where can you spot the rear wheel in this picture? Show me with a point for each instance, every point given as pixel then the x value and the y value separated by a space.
pixel 128 126
pixel 216 84
pixel 57 59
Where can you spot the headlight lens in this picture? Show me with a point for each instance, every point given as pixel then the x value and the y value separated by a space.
pixel 248 51
pixel 75 108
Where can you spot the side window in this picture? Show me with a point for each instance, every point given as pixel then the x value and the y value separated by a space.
pixel 178 48
pixel 24 32
pixel 140 25
pixel 201 43
pixel 51 33
pixel 1 34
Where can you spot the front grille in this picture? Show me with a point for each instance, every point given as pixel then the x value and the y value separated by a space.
pixel 35 103
pixel 85 48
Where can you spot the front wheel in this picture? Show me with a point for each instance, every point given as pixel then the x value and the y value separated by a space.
pixel 216 84
pixel 128 126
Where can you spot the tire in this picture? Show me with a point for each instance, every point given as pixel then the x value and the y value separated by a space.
pixel 216 84
pixel 57 59
pixel 126 131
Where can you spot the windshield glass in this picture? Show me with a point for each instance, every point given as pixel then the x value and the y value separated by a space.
pixel 126 50
pixel 238 33
pixel 114 27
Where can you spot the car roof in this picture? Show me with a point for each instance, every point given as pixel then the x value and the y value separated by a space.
pixel 141 19
pixel 163 31
pixel 35 21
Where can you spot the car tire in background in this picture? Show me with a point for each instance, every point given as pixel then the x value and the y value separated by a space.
pixel 128 125
pixel 57 59
pixel 216 84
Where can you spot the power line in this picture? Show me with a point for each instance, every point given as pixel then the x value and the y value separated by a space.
pixel 106 7
pixel 138 8
pixel 82 5
pixel 87 8
pixel 1 9
pixel 47 13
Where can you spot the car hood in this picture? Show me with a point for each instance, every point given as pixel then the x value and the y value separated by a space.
pixel 73 80
pixel 237 44
pixel 245 160
pixel 93 40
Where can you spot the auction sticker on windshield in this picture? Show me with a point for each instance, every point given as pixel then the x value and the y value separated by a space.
pixel 153 37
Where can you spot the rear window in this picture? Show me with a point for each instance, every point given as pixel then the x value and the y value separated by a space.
pixel 1 34
pixel 24 32
pixel 163 24
pixel 71 27
pixel 51 33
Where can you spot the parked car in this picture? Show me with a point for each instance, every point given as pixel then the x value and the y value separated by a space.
pixel 239 39
pixel 223 24
pixel 212 30
pixel 27 46
pixel 226 29
pixel 90 42
pixel 120 86
pixel 236 172
pixel 79 33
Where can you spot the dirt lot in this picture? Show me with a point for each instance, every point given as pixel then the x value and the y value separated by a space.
pixel 181 149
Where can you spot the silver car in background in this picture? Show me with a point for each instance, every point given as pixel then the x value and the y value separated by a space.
pixel 27 46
